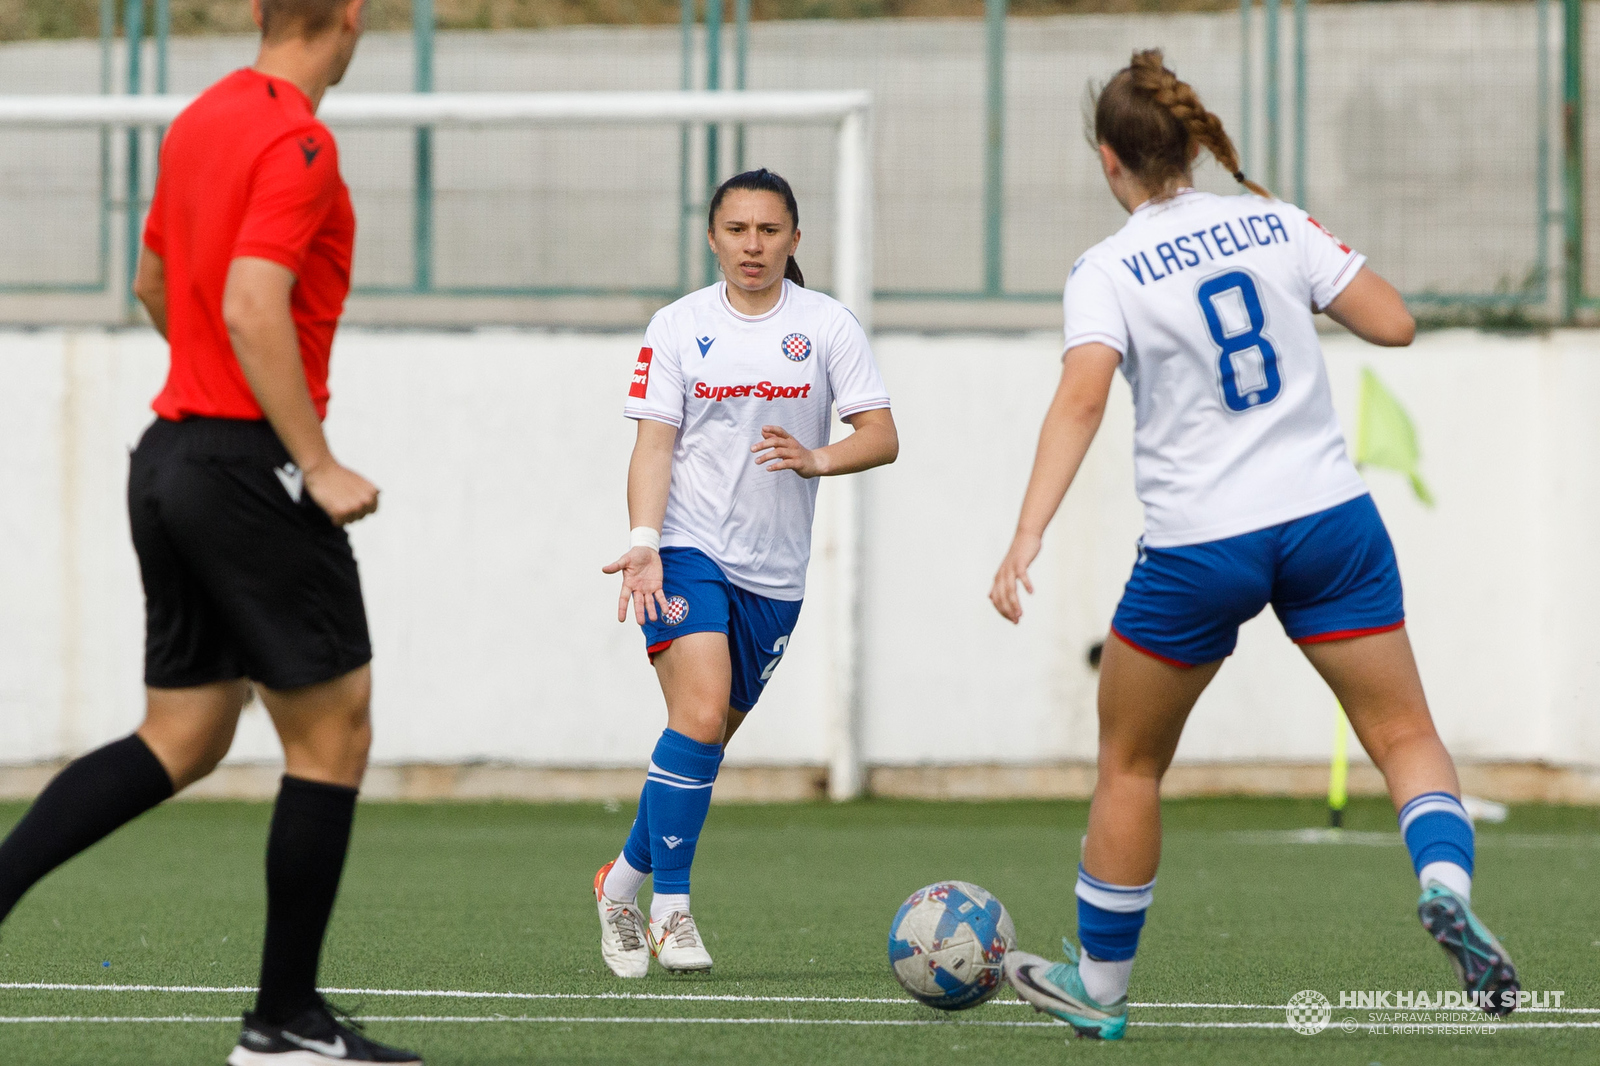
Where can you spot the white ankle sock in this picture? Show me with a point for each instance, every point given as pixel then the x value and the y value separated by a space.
pixel 1106 982
pixel 663 904
pixel 622 883
pixel 1450 876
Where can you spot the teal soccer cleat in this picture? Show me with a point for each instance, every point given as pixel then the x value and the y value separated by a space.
pixel 1486 971
pixel 1056 989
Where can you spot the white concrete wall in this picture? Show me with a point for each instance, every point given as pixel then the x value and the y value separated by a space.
pixel 502 458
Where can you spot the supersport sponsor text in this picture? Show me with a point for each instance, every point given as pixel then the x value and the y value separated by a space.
pixel 761 390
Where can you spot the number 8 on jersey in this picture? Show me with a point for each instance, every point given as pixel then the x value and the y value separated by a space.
pixel 1232 310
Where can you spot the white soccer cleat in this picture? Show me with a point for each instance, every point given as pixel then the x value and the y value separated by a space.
pixel 623 932
pixel 675 942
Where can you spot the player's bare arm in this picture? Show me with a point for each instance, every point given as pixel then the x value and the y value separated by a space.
pixel 255 307
pixel 1372 309
pixel 150 286
pixel 875 442
pixel 1069 428
pixel 649 478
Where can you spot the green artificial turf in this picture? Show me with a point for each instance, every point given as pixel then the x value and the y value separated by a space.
pixel 795 902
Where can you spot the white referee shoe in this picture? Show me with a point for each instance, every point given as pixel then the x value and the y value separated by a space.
pixel 623 932
pixel 675 942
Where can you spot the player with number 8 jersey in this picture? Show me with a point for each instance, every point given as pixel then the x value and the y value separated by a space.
pixel 732 394
pixel 1206 304
pixel 1209 300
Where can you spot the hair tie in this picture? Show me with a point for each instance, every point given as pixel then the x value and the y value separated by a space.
pixel 1238 176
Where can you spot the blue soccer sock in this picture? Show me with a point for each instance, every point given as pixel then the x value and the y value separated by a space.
pixel 1109 920
pixel 678 794
pixel 636 851
pixel 1438 834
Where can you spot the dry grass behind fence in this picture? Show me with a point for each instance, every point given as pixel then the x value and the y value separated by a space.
pixel 29 19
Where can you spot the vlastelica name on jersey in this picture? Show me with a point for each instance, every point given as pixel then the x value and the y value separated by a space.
pixel 1218 242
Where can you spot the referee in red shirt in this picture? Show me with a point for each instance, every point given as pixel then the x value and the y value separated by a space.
pixel 237 508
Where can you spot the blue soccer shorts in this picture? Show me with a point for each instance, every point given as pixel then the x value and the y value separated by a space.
pixel 1329 576
pixel 701 599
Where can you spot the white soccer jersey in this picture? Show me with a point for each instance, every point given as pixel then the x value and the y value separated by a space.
pixel 1209 299
pixel 720 376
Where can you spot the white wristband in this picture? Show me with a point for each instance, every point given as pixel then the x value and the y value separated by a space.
pixel 645 537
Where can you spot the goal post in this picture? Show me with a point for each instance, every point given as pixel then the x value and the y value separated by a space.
pixel 849 113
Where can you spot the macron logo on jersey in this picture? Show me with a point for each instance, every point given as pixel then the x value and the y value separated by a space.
pixel 763 390
pixel 705 344
pixel 641 375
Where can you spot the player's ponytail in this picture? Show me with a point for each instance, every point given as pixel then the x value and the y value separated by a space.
pixel 1156 124
pixel 762 180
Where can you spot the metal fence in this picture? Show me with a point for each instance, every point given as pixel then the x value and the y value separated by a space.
pixel 1425 134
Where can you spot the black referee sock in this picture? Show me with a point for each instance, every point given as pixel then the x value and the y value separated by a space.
pixel 92 796
pixel 305 856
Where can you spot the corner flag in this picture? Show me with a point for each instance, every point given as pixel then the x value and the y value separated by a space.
pixel 1385 436
pixel 1339 770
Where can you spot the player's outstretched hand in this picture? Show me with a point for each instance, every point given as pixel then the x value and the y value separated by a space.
pixel 342 493
pixel 641 583
pixel 779 451
pixel 1014 568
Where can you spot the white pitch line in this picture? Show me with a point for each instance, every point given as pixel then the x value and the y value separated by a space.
pixel 50 986
pixel 422 993
pixel 590 1020
pixel 67 1019
pixel 1370 838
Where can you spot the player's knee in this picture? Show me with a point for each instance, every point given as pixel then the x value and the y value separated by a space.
pixel 213 751
pixel 358 735
pixel 187 749
pixel 347 731
pixel 1135 763
pixel 704 724
pixel 1398 733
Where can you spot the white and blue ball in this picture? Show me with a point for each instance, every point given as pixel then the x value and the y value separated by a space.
pixel 947 945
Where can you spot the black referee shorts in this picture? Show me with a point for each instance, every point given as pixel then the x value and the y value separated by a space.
pixel 244 576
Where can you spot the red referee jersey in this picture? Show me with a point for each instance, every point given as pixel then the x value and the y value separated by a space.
pixel 247 170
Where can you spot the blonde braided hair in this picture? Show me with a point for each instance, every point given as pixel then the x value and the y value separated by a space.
pixel 1156 123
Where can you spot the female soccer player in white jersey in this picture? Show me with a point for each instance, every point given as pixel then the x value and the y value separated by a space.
pixel 731 393
pixel 1205 303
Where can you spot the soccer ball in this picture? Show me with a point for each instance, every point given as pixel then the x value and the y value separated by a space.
pixel 947 943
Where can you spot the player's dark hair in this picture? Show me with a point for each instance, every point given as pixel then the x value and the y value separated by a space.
pixel 281 19
pixel 1156 123
pixel 762 180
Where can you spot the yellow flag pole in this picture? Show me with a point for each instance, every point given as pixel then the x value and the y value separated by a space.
pixel 1339 772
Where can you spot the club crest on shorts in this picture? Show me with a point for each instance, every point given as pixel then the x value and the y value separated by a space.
pixel 677 610
pixel 796 347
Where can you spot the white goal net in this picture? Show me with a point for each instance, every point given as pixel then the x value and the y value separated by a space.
pixel 498 195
